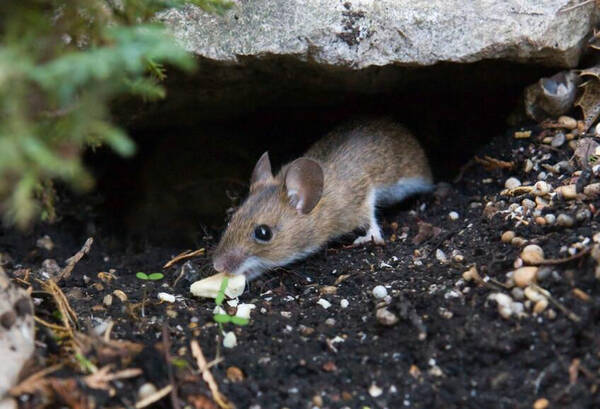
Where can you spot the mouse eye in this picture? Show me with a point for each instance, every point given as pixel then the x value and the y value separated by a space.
pixel 263 233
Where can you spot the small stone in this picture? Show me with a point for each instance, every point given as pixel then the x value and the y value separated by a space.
pixel 45 243
pixel 120 295
pixel 528 204
pixel 386 317
pixel 441 256
pixel 592 190
pixel 166 297
pixel 344 303
pixel 596 237
pixel 567 122
pixel 324 303
pixel 558 139
pixel 583 215
pixel 328 289
pixel 550 314
pixel 108 299
pixel 528 166
pixel 229 340
pixel 286 314
pixel 541 188
pixel 550 218
pixel 453 215
pixel 146 390
pixel 524 276
pixel 234 374
pixel 540 220
pixel 517 293
pixel 568 192
pixel 541 403
pixel 547 140
pixel 375 391
pixel 565 220
pixel 543 273
pixel 504 304
pixel 507 236
pixel 542 175
pixel 330 322
pixel 470 274
pixel 317 400
pixel 518 241
pixel 540 306
pixel 532 294
pixel 244 310
pixel 532 254
pixel 582 295
pixel 379 291
pixel 50 266
pixel 512 183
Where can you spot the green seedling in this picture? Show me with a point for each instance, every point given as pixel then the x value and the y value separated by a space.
pixel 226 318
pixel 149 277
pixel 85 364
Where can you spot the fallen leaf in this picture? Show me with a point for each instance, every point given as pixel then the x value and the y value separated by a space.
pixel 589 102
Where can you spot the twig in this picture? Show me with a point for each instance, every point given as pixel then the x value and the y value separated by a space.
pixel 566 259
pixel 155 397
pixel 576 6
pixel 50 325
pixel 183 256
pixel 72 261
pixel 570 314
pixel 208 378
pixel 32 383
pixel 167 346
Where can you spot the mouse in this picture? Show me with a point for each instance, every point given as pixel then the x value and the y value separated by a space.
pixel 335 188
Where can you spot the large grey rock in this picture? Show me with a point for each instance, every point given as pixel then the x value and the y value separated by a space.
pixel 361 33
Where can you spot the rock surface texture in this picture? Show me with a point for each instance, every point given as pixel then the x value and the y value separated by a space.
pixel 16 333
pixel 356 34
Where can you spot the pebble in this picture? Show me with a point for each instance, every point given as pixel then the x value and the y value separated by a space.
pixel 512 183
pixel 569 192
pixel 532 294
pixel 120 294
pixel 244 310
pixel 229 340
pixel 541 188
pixel 328 289
pixel 540 306
pixel 518 241
pixel 582 215
pixel 379 291
pixel 45 243
pixel 234 374
pixel 528 166
pixel 517 293
pixel 146 390
pixel 592 190
pixel 166 297
pixel 567 122
pixel 540 220
pixel 558 139
pixel 375 391
pixel 386 317
pixel 524 276
pixel 453 215
pixel 532 254
pixel 565 220
pixel 507 236
pixel 550 218
pixel 108 299
pixel 324 303
pixel 541 403
pixel 344 303
pixel 528 203
pixel 441 256
pixel 504 304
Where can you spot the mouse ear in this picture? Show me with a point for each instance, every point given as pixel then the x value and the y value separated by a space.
pixel 261 175
pixel 304 184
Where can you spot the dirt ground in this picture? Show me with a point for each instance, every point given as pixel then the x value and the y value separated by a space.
pixel 440 341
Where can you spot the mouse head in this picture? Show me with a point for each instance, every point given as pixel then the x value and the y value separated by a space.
pixel 274 226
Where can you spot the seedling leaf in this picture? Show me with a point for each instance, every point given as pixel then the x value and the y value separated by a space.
pixel 156 276
pixel 141 276
pixel 221 293
pixel 239 320
pixel 222 318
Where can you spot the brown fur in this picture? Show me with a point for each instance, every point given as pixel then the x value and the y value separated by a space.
pixel 354 158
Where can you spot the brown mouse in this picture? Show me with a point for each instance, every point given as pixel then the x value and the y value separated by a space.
pixel 330 191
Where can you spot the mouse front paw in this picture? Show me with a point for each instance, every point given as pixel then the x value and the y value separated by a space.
pixel 372 236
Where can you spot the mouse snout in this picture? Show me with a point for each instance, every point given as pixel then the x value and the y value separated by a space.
pixel 229 261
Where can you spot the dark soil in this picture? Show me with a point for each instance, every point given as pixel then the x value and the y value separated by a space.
pixel 297 354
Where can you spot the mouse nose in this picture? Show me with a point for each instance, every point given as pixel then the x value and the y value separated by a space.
pixel 229 261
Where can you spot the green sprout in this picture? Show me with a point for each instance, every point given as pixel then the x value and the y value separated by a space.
pixel 226 318
pixel 151 277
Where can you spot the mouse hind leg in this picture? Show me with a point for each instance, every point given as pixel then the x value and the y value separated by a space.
pixel 386 196
pixel 374 232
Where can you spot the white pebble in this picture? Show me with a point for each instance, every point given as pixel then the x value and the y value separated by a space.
pixel 344 303
pixel 453 216
pixel 512 183
pixel 229 340
pixel 166 297
pixel 379 291
pixel 441 256
pixel 146 390
pixel 324 303
pixel 244 310
pixel 550 218
pixel 375 390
